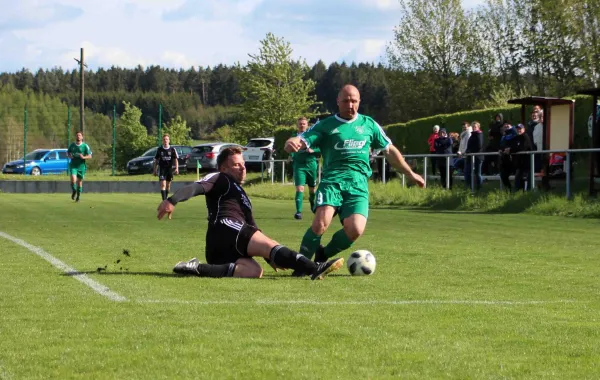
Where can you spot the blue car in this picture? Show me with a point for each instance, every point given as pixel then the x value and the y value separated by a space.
pixel 40 161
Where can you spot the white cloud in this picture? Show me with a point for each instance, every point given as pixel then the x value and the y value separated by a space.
pixel 182 33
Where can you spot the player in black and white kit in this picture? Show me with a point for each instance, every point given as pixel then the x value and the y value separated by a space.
pixel 165 158
pixel 232 237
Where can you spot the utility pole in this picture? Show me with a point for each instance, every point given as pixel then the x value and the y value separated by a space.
pixel 81 90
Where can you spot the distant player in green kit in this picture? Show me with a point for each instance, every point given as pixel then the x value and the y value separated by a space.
pixel 345 140
pixel 305 170
pixel 78 152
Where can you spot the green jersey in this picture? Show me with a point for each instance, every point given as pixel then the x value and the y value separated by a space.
pixel 76 151
pixel 304 158
pixel 345 145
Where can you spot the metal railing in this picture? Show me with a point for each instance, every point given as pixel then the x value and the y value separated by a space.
pixel 271 164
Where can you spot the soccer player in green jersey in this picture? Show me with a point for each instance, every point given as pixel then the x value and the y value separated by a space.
pixel 305 170
pixel 78 152
pixel 345 140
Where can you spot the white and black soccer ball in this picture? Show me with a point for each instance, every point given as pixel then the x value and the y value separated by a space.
pixel 361 263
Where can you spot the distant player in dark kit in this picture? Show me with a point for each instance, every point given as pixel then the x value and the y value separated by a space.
pixel 78 152
pixel 164 160
pixel 305 170
pixel 232 237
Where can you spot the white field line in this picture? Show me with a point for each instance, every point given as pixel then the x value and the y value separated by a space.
pixel 341 303
pixel 83 278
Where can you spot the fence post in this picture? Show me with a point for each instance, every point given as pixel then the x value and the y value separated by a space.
pixel 447 172
pixel 383 170
pixel 473 174
pixel 272 172
pixel 283 172
pixel 24 141
pixel 568 173
pixel 114 141
pixel 262 172
pixel 403 181
pixel 68 126
pixel 425 172
pixel 159 134
pixel 532 171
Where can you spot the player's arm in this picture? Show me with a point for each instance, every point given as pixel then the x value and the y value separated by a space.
pixel 306 140
pixel 395 158
pixel 168 205
pixel 176 158
pixel 294 144
pixel 88 154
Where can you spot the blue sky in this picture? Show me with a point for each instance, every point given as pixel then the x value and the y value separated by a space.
pixel 185 33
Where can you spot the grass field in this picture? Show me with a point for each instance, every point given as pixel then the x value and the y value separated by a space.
pixel 455 295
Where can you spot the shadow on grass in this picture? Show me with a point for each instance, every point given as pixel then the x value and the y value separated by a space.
pixel 122 273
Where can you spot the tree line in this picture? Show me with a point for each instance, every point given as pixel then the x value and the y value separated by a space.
pixel 442 59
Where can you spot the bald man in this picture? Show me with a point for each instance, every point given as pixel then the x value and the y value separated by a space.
pixel 345 140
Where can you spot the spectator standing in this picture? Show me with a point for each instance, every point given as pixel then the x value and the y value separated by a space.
pixel 431 142
pixel 474 146
pixel 506 165
pixel 491 163
pixel 521 162
pixel 538 140
pixel 459 163
pixel 443 145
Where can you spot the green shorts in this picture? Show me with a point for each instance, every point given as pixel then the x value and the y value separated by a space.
pixel 305 175
pixel 78 171
pixel 349 196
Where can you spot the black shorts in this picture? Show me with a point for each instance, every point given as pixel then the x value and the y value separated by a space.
pixel 165 174
pixel 227 241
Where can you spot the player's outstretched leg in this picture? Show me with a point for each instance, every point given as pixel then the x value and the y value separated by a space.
pixel 284 257
pixel 194 267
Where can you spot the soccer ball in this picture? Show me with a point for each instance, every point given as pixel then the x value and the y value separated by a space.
pixel 361 263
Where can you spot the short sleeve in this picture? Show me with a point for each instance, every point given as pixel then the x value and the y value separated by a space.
pixel 380 139
pixel 313 135
pixel 175 153
pixel 88 150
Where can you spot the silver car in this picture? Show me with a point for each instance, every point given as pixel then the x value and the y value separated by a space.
pixel 206 155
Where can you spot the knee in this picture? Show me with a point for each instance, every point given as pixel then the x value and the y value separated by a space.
pixel 300 189
pixel 245 269
pixel 319 226
pixel 353 231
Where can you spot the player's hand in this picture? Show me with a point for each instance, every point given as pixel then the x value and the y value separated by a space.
pixel 308 150
pixel 155 173
pixel 416 178
pixel 165 208
pixel 293 144
pixel 177 171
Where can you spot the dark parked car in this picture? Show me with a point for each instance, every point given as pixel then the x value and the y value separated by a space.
pixel 40 161
pixel 206 155
pixel 145 163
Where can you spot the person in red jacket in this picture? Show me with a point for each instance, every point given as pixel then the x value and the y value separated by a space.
pixel 431 142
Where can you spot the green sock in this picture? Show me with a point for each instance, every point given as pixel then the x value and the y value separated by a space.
pixel 339 242
pixel 311 198
pixel 74 186
pixel 310 243
pixel 79 188
pixel 299 198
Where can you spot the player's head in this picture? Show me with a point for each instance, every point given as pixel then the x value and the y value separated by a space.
pixel 166 140
pixel 79 137
pixel 476 126
pixel 302 124
pixel 231 161
pixel 348 101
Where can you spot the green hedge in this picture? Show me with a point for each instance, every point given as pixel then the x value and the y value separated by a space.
pixel 411 137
